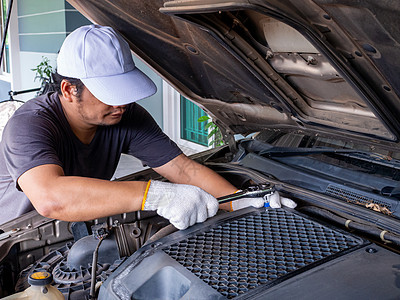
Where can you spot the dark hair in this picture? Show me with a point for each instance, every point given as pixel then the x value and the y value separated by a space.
pixel 57 78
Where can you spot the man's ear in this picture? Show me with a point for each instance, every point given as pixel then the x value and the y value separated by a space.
pixel 68 90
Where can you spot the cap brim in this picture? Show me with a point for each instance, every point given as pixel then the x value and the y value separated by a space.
pixel 121 89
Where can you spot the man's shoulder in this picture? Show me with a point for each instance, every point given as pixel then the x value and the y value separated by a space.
pixel 36 111
pixel 135 108
pixel 135 113
pixel 43 105
pixel 40 103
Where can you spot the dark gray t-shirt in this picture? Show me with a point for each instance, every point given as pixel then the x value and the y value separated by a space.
pixel 38 133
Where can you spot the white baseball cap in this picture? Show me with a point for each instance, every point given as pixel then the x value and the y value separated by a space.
pixel 102 60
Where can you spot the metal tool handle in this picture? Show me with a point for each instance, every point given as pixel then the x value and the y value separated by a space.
pixel 254 191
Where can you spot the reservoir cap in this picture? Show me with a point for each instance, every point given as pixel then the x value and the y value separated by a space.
pixel 40 278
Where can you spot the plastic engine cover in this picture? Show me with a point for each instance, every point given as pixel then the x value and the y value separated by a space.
pixel 252 253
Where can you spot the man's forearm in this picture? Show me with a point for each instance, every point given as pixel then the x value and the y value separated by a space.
pixel 80 199
pixel 72 198
pixel 184 170
pixel 213 183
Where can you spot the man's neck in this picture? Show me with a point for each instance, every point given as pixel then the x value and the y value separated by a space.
pixel 84 132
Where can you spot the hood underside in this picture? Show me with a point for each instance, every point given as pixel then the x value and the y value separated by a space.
pixel 327 67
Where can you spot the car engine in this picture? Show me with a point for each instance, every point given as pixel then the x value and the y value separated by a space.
pixel 249 253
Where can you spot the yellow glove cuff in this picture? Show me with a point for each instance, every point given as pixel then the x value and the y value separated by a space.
pixel 145 194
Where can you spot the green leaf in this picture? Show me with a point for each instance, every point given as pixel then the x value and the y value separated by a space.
pixel 203 118
pixel 208 125
pixel 43 70
pixel 212 132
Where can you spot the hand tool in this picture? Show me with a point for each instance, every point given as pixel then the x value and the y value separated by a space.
pixel 254 191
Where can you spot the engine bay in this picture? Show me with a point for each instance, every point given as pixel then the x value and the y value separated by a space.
pixel 249 253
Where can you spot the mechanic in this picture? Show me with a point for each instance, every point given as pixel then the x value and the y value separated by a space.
pixel 60 150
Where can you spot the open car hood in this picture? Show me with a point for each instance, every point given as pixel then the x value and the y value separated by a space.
pixel 322 66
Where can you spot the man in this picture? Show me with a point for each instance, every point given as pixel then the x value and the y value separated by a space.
pixel 59 150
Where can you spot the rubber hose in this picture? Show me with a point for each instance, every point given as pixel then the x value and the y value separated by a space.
pixel 367 229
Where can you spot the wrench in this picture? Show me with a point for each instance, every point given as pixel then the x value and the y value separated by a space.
pixel 254 191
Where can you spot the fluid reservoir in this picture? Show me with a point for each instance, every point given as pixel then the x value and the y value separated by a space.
pixel 40 289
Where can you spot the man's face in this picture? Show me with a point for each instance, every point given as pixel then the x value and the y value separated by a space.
pixel 94 112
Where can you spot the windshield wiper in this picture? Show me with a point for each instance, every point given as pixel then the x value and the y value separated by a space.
pixel 288 151
pixel 358 154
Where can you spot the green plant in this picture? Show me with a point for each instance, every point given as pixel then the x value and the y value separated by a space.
pixel 214 133
pixel 43 71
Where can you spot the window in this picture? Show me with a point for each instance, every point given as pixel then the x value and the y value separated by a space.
pixel 5 64
pixel 172 121
pixel 191 129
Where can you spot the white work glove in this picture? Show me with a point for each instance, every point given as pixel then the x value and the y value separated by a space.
pixel 183 205
pixel 275 201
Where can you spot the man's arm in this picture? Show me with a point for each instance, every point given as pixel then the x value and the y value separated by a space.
pixel 185 170
pixel 72 198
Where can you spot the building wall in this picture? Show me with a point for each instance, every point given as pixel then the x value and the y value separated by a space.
pixel 5 86
pixel 41 27
pixel 153 104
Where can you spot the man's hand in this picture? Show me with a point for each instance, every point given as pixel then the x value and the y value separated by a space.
pixel 183 205
pixel 275 201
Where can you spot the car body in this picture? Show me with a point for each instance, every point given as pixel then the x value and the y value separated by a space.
pixel 314 87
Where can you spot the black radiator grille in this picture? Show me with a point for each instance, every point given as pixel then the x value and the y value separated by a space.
pixel 257 249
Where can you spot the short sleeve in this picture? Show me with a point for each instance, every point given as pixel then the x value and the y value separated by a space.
pixel 28 141
pixel 148 142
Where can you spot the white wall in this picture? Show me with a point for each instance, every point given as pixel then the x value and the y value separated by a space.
pixel 29 60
